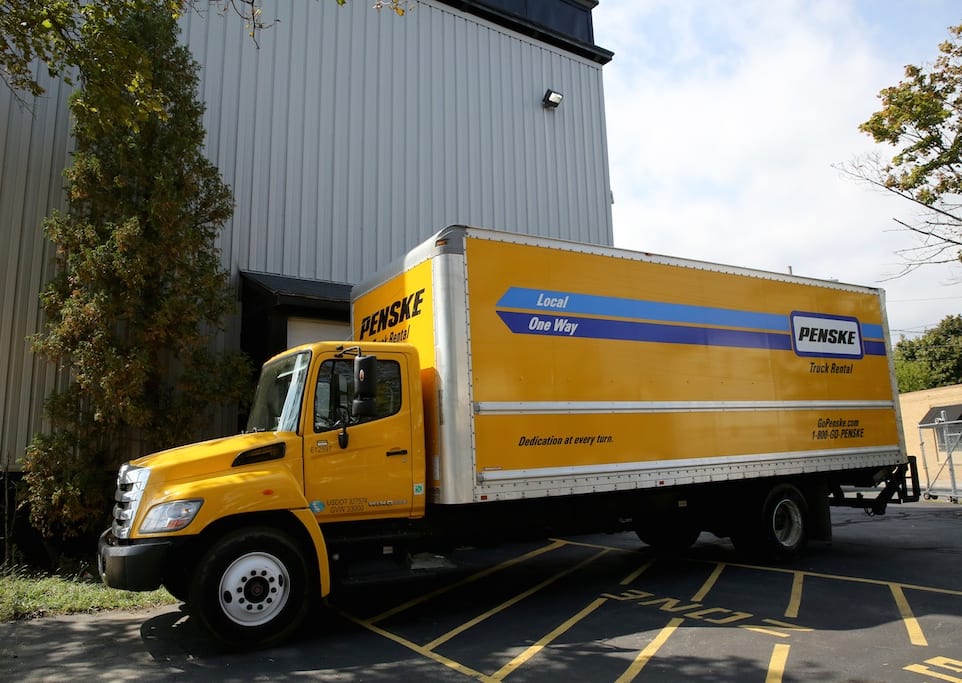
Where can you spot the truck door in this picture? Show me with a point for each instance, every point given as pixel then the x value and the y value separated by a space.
pixel 372 476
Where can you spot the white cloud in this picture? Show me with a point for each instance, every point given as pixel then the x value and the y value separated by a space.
pixel 724 122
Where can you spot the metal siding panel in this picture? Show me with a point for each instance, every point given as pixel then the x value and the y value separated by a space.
pixel 449 79
pixel 601 196
pixel 33 151
pixel 239 230
pixel 340 133
pixel 278 123
pixel 294 104
pixel 405 46
pixel 325 219
pixel 578 180
pixel 260 248
pixel 553 160
pixel 499 148
pixel 350 153
pixel 476 131
pixel 309 179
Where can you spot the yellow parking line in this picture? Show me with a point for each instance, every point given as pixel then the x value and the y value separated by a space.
pixel 628 579
pixel 953 665
pixel 635 574
pixel 709 584
pixel 839 577
pixel 925 671
pixel 776 666
pixel 916 637
pixel 508 603
pixel 470 579
pixel 597 546
pixel 796 598
pixel 547 639
pixel 414 647
pixel 650 651
pixel 788 627
pixel 782 570
pixel 765 631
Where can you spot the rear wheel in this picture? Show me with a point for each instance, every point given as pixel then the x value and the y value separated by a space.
pixel 252 588
pixel 781 532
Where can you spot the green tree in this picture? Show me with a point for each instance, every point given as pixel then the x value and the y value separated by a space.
pixel 51 32
pixel 921 117
pixel 932 360
pixel 139 292
pixel 912 375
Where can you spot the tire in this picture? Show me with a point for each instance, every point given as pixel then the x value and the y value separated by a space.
pixel 253 588
pixel 178 585
pixel 671 534
pixel 781 533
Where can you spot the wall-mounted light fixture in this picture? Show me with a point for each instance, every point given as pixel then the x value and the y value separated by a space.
pixel 551 99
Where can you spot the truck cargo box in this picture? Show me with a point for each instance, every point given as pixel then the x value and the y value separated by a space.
pixel 554 368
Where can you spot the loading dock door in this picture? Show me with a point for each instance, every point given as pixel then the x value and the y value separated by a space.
pixel 304 330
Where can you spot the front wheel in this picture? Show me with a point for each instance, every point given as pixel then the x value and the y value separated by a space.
pixel 178 584
pixel 253 588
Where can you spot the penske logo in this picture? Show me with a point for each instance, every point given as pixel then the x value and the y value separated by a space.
pixel 826 336
pixel 392 315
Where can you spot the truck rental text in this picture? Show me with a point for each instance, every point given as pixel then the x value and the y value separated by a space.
pixel 501 386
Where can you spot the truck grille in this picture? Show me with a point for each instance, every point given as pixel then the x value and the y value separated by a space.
pixel 131 482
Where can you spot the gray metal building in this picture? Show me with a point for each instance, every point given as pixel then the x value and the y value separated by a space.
pixel 349 135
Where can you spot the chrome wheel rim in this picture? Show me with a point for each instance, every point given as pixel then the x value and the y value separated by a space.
pixel 254 589
pixel 787 523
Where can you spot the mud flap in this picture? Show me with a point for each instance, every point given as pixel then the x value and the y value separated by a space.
pixel 819 512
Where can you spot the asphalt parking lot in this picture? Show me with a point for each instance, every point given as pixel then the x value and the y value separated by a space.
pixel 883 602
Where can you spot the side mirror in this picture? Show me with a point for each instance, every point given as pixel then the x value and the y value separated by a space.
pixel 365 386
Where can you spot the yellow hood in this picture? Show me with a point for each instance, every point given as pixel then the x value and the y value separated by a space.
pixel 209 457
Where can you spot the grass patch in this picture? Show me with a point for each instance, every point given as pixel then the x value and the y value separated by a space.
pixel 28 595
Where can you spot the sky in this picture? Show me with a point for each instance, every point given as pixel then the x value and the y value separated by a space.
pixel 727 119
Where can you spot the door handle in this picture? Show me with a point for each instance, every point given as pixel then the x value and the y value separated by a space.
pixel 397 451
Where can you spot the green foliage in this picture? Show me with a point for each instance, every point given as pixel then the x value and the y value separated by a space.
pixel 139 290
pixel 912 375
pixel 68 483
pixel 34 29
pixel 54 32
pixel 922 118
pixel 26 595
pixel 932 360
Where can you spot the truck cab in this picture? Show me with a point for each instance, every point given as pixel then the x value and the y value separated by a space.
pixel 234 526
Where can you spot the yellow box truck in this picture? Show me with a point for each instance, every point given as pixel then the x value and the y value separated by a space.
pixel 501 385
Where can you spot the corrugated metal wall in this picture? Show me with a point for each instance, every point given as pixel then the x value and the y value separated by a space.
pixel 348 137
pixel 34 149
pixel 352 135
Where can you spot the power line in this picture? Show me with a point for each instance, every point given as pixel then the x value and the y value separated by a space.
pixel 917 328
pixel 928 298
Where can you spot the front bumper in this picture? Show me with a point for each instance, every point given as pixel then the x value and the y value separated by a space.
pixel 135 566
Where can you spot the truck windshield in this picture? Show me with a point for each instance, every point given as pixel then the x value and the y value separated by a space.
pixel 277 402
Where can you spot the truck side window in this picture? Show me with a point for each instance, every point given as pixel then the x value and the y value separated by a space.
pixel 335 392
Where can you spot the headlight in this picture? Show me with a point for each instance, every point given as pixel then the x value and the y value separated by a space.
pixel 170 516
